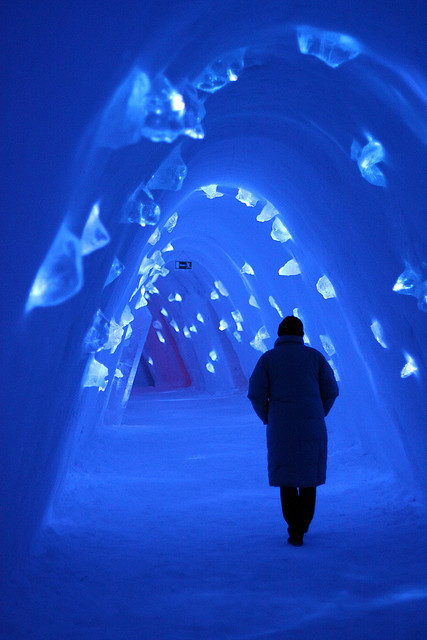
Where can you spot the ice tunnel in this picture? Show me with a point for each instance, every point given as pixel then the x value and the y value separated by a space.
pixel 177 179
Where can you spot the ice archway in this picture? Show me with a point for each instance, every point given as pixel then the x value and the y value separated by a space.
pixel 314 129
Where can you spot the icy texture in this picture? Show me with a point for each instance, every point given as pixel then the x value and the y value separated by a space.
pixel 142 302
pixel 141 208
pixel 160 337
pixel 291 268
pixel 223 291
pixel 115 336
pixel 150 361
pixel 171 222
pixel 214 295
pixel 174 325
pixel 253 302
pixel 257 343
pixel 221 71
pixel 210 367
pixel 61 275
pixel 171 173
pixel 157 324
pixel 367 160
pixel 237 335
pixel 126 316
pixel 279 232
pixel 275 306
pixel 155 237
pixel 116 269
pixel 411 283
pixel 128 332
pixel 247 198
pixel 334 369
pixel 193 328
pixel 331 47
pixel 213 355
pixel 377 330
pixel 211 191
pixel 327 345
pixel 186 332
pixel 151 289
pixel 410 367
pixel 95 235
pixel 164 312
pixel 97 335
pixel 247 269
pixel 96 375
pixel 325 287
pixel 239 326
pixel 167 248
pixel 223 325
pixel 268 212
pixel 237 316
pixel 200 318
pixel 174 297
pixel 118 374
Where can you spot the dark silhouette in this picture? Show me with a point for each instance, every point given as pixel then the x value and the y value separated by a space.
pixel 292 389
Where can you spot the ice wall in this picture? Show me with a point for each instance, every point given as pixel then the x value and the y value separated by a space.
pixel 279 150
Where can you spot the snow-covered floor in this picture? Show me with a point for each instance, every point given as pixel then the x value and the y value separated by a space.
pixel 172 532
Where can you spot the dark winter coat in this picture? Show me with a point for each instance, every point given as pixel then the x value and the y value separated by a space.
pixel 292 389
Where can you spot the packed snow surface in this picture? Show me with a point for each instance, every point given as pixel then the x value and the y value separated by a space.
pixel 169 531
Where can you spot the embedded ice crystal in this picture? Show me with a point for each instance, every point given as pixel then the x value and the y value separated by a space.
pixel 257 343
pixel 95 375
pixel 157 324
pixel 97 335
pixel 367 160
pixel 377 330
pixel 60 275
pixel 221 71
pixel 325 287
pixel 253 302
pixel 214 295
pixel 116 269
pixel 193 329
pixel 171 222
pixel 151 289
pixel 115 336
pixel 164 312
pixel 327 345
pixel 118 374
pixel 267 213
pixel 239 326
pixel 331 47
pixel 141 208
pixel 95 235
pixel 175 297
pixel 150 361
pixel 171 173
pixel 155 237
pixel 174 325
pixel 291 268
pixel 160 337
pixel 200 318
pixel 210 367
pixel 237 335
pixel 213 355
pixel 246 197
pixel 126 317
pixel 128 332
pixel 142 302
pixel 411 283
pixel 279 232
pixel 186 332
pixel 237 316
pixel 211 191
pixel 223 325
pixel 223 291
pixel 334 369
pixel 410 367
pixel 247 269
pixel 275 305
pixel 167 248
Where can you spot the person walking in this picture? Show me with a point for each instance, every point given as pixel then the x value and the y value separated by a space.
pixel 292 389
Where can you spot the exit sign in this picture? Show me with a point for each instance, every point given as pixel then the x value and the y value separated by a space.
pixel 183 264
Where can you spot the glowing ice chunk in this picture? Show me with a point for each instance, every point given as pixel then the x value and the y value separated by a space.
pixel 306 339
pixel 186 332
pixel 327 345
pixel 275 305
pixel 171 173
pixel 239 326
pixel 237 316
pixel 334 369
pixel 325 287
pixel 295 313
pixel 141 208
pixel 163 272
pixel 211 191
pixel 377 330
pixel 174 297
pixel 115 336
pixel 96 375
pixel 246 197
pixel 150 361
pixel 267 213
pixel 151 289
pixel 220 72
pixel 168 247
pixel 247 269
pixel 279 232
pixel 174 325
pixel 126 316
pixel 157 324
pixel 95 235
pixel 223 325
pixel 410 283
pixel 164 312
pixel 171 222
pixel 128 332
pixel 155 237
pixel 253 302
pixel 97 334
pixel 142 302
pixel 200 318
pixel 331 47
pixel 367 160
pixel 193 329
pixel 223 291
pixel 410 367
pixel 213 355
pixel 118 374
pixel 257 343
pixel 237 335
pixel 210 367
pixel 160 337
pixel 263 333
pixel 116 269
pixel 291 268
pixel 60 275
pixel 214 295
